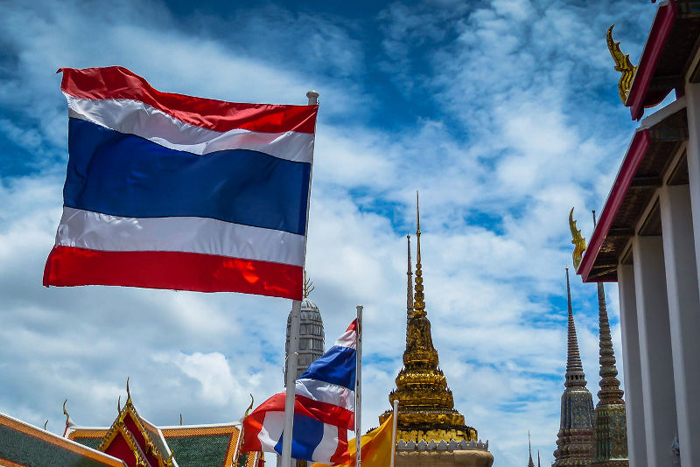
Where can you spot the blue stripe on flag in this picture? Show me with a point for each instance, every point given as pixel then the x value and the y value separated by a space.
pixel 337 366
pixel 308 433
pixel 126 175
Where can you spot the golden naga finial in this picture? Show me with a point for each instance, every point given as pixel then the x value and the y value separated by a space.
pixel 128 393
pixel 577 240
pixel 247 411
pixel 119 404
pixel 308 288
pixel 65 412
pixel 46 423
pixel 623 65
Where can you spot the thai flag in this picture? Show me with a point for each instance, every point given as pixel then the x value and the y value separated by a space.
pixel 177 192
pixel 324 408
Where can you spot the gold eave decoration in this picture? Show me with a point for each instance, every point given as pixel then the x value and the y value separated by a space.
pixel 623 65
pixel 577 240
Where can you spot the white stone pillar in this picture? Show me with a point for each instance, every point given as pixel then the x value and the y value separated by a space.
pixel 692 99
pixel 684 315
pixel 634 402
pixel 655 350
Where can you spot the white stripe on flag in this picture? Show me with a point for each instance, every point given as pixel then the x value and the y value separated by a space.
pixel 348 339
pixel 328 445
pixel 271 431
pixel 136 118
pixel 97 231
pixel 326 392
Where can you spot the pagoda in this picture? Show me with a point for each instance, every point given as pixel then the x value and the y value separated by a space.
pixel 430 431
pixel 575 440
pixel 610 413
pixel 312 336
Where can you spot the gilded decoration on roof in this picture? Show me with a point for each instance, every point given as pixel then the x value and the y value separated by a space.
pixel 577 240
pixel 623 65
pixel 426 404
pixel 123 427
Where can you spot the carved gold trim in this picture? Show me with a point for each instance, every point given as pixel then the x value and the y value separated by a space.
pixel 623 65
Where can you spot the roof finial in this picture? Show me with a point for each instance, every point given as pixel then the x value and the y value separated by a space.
pixel 577 240
pixel 574 368
pixel 65 412
pixel 538 458
pixel 418 298
pixel 623 65
pixel 180 419
pixel 529 450
pixel 119 404
pixel 409 282
pixel 247 411
pixel 128 393
pixel 308 286
pixel 46 423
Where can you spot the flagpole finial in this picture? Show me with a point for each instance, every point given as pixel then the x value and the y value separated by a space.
pixel 313 97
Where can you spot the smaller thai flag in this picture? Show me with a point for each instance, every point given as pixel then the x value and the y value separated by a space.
pixel 324 408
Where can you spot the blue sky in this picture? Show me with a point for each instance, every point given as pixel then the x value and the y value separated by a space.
pixel 504 113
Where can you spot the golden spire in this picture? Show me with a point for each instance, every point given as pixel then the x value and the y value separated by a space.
pixel 426 404
pixel 419 299
pixel 577 240
pixel 623 65
pixel 409 282
pixel 308 286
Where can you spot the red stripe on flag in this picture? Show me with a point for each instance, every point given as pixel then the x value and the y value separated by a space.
pixel 69 266
pixel 119 83
pixel 328 413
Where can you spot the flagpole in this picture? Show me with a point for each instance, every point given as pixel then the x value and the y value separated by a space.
pixel 292 357
pixel 358 391
pixel 393 431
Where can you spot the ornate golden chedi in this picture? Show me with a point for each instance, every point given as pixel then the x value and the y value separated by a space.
pixel 426 405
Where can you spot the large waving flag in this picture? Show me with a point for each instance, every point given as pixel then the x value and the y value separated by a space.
pixel 323 412
pixel 177 192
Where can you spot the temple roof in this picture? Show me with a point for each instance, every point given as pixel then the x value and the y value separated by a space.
pixel 24 445
pixel 667 55
pixel 171 446
pixel 649 159
pixel 192 445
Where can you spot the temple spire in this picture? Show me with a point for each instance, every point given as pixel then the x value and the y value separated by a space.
pixel 426 404
pixel 419 298
pixel 576 436
pixel 530 463
pixel 574 368
pixel 538 459
pixel 409 284
pixel 610 413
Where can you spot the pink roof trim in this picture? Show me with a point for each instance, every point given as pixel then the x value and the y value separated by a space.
pixel 660 30
pixel 635 154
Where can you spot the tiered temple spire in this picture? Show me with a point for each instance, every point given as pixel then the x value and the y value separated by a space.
pixel 610 413
pixel 426 404
pixel 530 463
pixel 575 440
